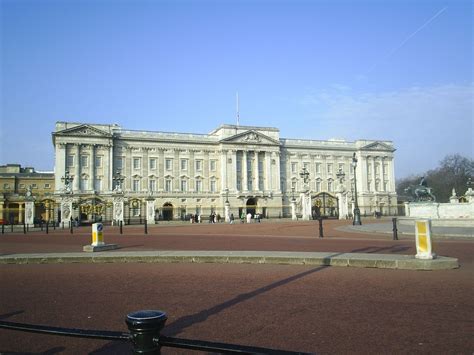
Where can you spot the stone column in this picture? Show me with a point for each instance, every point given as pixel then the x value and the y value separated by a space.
pixel 268 175
pixel 223 169
pixel 145 170
pixel 305 206
pixel 277 172
pixel 233 170
pixel 150 210
pixel 60 164
pixel 128 168
pixel 256 186
pixel 118 209
pixel 227 212
pixel 92 168
pixel 160 171
pixel 29 212
pixel 66 210
pixel 77 168
pixel 293 209
pixel 245 186
pixel 20 213
pixel 374 176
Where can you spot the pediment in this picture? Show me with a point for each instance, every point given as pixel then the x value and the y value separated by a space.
pixel 83 130
pixel 378 146
pixel 250 137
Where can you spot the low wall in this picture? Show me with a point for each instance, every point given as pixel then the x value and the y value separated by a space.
pixel 435 210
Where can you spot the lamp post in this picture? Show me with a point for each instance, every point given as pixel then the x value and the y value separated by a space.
pixel 356 220
pixel 226 195
pixel 292 194
pixel 67 180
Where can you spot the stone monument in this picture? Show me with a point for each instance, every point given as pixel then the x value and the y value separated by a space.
pixel 29 207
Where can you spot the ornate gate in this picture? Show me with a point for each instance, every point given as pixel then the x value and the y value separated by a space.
pixel 324 204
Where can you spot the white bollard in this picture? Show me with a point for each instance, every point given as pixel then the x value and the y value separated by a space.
pixel 424 248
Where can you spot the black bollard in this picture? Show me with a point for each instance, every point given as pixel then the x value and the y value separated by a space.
pixel 28 227
pixel 24 228
pixel 320 220
pixel 395 230
pixel 62 225
pixel 70 227
pixel 41 226
pixel 120 223
pixel 12 227
pixel 145 328
pixel 146 227
pixel 47 227
pixel 3 228
pixel 54 225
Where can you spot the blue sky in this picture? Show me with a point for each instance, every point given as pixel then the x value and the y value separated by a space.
pixel 390 70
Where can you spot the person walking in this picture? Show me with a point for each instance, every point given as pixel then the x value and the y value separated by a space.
pixel 231 218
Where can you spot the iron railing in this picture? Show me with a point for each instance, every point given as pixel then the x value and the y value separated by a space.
pixel 145 336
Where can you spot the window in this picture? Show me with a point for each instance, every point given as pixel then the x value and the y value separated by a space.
pixel 341 167
pixel 168 164
pixel 198 185
pixel 98 184
pixel 329 168
pixel 213 165
pixel 22 186
pixel 377 185
pixel 377 169
pixel 184 185
pixel 34 186
pixel 293 185
pixel 318 186
pixel 84 160
pixel 84 184
pixel 152 184
pixel 119 163
pixel 70 160
pixel 98 161
pixel 318 168
pixel 136 163
pixel 184 164
pixel 46 186
pixel 306 166
pixel 330 185
pixel 136 185
pixel 6 186
pixel 213 186
pixel 152 164
pixel 385 186
pixel 294 167
pixel 198 165
pixel 369 169
pixel 168 185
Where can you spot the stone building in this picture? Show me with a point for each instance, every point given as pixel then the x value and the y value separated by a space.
pixel 174 175
pixel 16 183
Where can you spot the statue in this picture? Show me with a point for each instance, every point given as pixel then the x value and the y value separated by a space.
pixel 421 192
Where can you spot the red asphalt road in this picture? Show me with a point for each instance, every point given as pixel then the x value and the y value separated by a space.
pixel 300 308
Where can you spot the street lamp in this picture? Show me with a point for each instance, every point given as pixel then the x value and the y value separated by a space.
pixel 292 193
pixel 67 180
pixel 356 220
pixel 118 181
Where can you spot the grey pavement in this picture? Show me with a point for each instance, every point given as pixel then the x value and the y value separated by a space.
pixel 364 260
pixel 409 229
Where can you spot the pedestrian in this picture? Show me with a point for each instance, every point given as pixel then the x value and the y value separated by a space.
pixel 249 217
pixel 218 218
pixel 198 218
pixel 231 218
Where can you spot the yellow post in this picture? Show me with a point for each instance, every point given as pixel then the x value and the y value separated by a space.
pixel 97 234
pixel 424 249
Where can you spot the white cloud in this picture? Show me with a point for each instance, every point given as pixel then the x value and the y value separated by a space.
pixel 425 123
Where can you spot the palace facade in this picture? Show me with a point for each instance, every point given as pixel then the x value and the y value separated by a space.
pixel 251 168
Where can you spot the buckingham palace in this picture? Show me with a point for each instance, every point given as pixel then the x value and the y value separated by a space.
pixel 108 172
